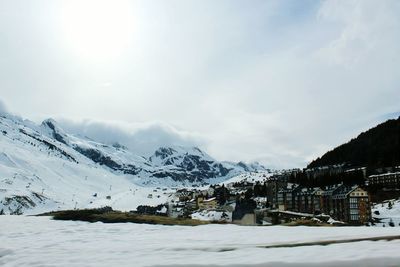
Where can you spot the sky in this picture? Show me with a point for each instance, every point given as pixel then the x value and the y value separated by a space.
pixel 279 82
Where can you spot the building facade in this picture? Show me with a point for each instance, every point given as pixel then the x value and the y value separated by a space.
pixel 389 180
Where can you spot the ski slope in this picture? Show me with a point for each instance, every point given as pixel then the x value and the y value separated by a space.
pixel 44 168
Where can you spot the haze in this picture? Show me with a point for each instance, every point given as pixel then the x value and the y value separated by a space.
pixel 280 82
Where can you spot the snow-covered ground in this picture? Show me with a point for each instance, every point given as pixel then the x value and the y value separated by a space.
pixel 387 213
pixel 40 241
pixel 212 215
pixel 251 177
pixel 43 168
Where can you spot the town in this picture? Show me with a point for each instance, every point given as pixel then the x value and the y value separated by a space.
pixel 284 197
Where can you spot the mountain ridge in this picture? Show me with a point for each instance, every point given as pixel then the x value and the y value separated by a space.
pixel 44 168
pixel 376 147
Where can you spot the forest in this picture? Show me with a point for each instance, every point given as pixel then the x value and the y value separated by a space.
pixel 376 148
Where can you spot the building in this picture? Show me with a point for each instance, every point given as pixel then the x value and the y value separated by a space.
pixel 318 200
pixel 325 195
pixel 206 204
pixel 307 200
pixel 184 194
pixel 243 213
pixel 191 205
pixel 387 180
pixel 351 204
pixel 286 197
pixel 274 185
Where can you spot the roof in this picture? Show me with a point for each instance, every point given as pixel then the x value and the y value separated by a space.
pixel 331 190
pixel 344 191
pixel 384 174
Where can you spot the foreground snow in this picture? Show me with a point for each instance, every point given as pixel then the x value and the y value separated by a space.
pixel 39 241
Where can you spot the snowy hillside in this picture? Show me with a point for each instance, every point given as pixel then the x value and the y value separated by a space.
pixel 193 165
pixel 387 213
pixel 38 173
pixel 44 168
pixel 182 165
pixel 251 177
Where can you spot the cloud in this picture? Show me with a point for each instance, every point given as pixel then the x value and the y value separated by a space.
pixel 3 108
pixel 334 81
pixel 142 139
pixel 279 82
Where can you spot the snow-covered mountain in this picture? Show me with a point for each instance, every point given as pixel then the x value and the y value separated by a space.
pixel 190 164
pixel 180 164
pixel 43 167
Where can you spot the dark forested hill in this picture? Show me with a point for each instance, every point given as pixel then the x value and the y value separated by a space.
pixel 377 147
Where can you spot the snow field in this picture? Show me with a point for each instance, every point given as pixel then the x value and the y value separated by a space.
pixel 40 241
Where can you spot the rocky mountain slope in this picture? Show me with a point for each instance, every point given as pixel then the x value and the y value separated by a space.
pixel 42 167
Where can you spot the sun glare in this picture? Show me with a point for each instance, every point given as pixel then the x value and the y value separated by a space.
pixel 97 29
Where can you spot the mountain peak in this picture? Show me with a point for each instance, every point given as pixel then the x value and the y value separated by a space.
pixel 165 154
pixel 53 130
pixel 51 123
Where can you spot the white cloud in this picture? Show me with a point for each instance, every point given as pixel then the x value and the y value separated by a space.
pixel 274 81
pixel 3 108
pixel 143 139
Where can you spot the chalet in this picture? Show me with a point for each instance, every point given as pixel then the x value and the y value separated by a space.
pixel 191 205
pixel 206 204
pixel 184 194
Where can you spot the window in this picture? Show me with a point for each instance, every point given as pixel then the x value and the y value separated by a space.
pixel 353 200
pixel 353 203
pixel 354 212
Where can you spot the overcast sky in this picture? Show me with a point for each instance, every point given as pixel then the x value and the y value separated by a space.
pixel 279 82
